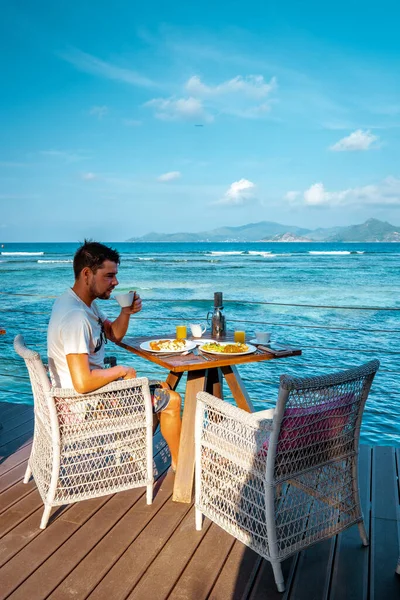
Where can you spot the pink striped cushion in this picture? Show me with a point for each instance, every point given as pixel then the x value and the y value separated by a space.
pixel 320 423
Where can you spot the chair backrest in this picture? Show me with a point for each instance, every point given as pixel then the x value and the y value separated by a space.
pixel 317 420
pixel 39 379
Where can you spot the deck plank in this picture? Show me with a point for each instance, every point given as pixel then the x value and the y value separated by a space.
pixel 8 437
pixel 117 558
pixel 350 569
pixel 60 563
pixel 14 419
pixel 264 584
pixel 237 575
pixel 202 571
pixel 8 410
pixel 166 568
pixel 315 564
pixel 117 547
pixel 47 542
pixel 384 528
pixel 19 511
pixel 15 493
pixel 23 531
pixel 12 477
pixel 14 459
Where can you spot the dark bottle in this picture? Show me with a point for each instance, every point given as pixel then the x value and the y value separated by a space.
pixel 218 322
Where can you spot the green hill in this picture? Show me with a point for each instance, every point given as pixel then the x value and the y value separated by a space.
pixel 372 230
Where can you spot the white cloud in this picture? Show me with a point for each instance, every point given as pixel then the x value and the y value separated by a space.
pixel 243 97
pixel 239 193
pixel 291 196
pixel 171 176
pixel 184 109
pixel 384 193
pixel 253 86
pixel 358 140
pixel 88 176
pixel 99 111
pixel 91 64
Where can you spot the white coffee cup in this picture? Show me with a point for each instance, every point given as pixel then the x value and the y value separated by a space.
pixel 124 300
pixel 262 337
pixel 197 330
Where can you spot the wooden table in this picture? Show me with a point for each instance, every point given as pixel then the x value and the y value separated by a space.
pixel 203 374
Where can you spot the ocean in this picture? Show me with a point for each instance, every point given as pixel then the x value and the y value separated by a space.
pixel 278 287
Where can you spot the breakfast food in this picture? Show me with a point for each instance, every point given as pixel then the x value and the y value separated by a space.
pixel 168 345
pixel 225 348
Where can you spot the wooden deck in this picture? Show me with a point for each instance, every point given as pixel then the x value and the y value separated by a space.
pixel 117 547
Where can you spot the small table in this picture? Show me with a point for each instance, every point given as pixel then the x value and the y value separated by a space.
pixel 203 374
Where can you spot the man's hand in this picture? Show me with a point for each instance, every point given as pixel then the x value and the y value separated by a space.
pixel 130 373
pixel 135 307
pixel 116 330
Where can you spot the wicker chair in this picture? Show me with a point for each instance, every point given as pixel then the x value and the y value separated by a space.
pixel 88 445
pixel 281 485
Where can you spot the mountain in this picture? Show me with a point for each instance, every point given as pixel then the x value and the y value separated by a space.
pixel 253 232
pixel 289 237
pixel 372 230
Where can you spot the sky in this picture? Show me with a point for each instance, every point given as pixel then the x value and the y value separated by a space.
pixel 122 118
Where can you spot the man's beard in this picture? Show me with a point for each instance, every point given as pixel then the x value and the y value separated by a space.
pixel 102 296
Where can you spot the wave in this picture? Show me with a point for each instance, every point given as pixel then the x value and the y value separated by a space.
pixel 153 259
pixel 231 252
pixel 259 253
pixel 22 253
pixel 330 252
pixel 55 261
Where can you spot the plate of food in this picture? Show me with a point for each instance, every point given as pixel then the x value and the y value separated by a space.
pixel 227 348
pixel 169 345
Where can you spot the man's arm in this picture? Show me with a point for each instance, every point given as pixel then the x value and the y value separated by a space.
pixel 84 380
pixel 116 330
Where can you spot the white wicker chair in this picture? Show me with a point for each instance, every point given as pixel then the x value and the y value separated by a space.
pixel 281 485
pixel 88 445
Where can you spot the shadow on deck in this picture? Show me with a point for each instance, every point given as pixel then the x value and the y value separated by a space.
pixel 117 547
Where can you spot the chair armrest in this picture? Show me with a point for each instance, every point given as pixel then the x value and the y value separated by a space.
pixel 256 420
pixel 114 386
pixel 228 432
pixel 118 399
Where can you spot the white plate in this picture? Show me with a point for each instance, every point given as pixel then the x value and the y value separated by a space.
pixel 146 346
pixel 249 351
pixel 201 341
pixel 256 342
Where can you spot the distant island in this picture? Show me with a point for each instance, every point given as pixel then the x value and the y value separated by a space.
pixel 372 230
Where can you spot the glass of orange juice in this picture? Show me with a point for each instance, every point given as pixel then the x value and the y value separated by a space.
pixel 239 337
pixel 181 332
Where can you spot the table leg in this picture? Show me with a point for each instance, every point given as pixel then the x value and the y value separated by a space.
pixel 173 379
pixel 237 388
pixel 184 474
pixel 214 382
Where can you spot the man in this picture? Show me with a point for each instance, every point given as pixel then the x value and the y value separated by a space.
pixel 78 331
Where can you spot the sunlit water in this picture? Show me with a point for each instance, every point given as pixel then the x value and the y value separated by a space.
pixel 360 275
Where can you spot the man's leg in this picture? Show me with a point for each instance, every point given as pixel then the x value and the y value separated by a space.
pixel 167 407
pixel 170 423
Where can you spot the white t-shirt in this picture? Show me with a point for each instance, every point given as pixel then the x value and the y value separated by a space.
pixel 74 328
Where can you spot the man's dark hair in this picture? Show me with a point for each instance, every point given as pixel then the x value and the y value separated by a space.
pixel 93 254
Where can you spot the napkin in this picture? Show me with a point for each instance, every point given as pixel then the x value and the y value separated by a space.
pixel 275 352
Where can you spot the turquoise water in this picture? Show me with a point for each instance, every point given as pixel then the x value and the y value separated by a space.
pixel 356 275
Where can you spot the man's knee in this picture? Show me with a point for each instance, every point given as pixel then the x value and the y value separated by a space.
pixel 175 401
